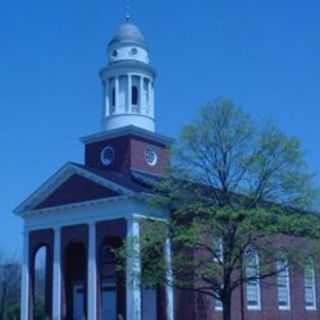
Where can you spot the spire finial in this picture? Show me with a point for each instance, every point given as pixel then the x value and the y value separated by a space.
pixel 128 10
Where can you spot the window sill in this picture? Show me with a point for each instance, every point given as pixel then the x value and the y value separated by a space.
pixel 284 308
pixel 311 308
pixel 252 308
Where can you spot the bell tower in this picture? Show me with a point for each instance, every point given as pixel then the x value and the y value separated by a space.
pixel 128 81
pixel 127 141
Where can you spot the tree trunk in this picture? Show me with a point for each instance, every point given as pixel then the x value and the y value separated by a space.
pixel 227 307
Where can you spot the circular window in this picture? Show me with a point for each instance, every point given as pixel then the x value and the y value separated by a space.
pixel 107 156
pixel 151 157
pixel 114 53
pixel 134 51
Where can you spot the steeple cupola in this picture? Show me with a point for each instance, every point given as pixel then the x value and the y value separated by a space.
pixel 128 81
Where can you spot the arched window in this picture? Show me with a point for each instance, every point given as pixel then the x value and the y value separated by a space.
pixel 283 282
pixel 134 95
pixel 253 283
pixel 40 267
pixel 310 286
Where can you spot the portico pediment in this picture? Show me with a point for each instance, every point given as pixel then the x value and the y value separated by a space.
pixel 75 183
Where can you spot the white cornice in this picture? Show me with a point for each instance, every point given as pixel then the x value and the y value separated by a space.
pixel 83 204
pixel 126 131
pixel 121 207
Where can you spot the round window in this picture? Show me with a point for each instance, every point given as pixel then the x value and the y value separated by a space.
pixel 151 157
pixel 134 51
pixel 107 156
pixel 114 53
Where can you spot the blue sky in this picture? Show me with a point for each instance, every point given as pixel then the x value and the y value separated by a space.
pixel 262 54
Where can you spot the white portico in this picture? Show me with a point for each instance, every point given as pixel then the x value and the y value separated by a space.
pixel 84 211
pixel 90 214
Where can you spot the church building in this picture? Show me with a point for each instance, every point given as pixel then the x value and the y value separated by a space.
pixel 85 210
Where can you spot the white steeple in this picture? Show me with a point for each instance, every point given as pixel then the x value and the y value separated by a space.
pixel 128 81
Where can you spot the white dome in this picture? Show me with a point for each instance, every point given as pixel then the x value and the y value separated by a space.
pixel 128 33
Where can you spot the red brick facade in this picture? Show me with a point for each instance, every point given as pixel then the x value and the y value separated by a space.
pixel 129 153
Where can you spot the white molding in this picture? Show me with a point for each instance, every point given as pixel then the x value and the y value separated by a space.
pixel 58 179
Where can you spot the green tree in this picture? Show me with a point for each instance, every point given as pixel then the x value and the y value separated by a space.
pixel 232 188
pixel 9 288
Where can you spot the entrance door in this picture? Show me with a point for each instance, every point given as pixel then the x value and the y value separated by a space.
pixel 109 300
pixel 78 302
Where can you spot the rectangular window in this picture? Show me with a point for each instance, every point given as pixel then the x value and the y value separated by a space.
pixel 283 283
pixel 310 287
pixel 217 250
pixel 253 283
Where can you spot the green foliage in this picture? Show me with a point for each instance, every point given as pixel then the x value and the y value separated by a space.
pixel 232 186
pixel 13 312
pixel 39 313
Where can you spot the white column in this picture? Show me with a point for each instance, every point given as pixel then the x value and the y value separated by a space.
pixel 133 271
pixel 57 278
pixel 152 99
pixel 25 279
pixel 92 274
pixel 129 93
pixel 149 97
pixel 169 287
pixel 117 93
pixel 106 109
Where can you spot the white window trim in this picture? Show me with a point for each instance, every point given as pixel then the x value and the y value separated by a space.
pixel 314 306
pixel 258 306
pixel 288 307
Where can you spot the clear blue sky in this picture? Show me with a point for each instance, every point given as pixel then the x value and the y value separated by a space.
pixel 262 54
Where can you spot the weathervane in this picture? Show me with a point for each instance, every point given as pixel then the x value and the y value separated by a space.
pixel 128 10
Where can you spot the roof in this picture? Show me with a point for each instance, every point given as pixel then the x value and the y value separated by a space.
pixel 128 33
pixel 119 183
pixel 119 178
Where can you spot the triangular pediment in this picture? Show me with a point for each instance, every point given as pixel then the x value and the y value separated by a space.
pixel 72 184
pixel 76 189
